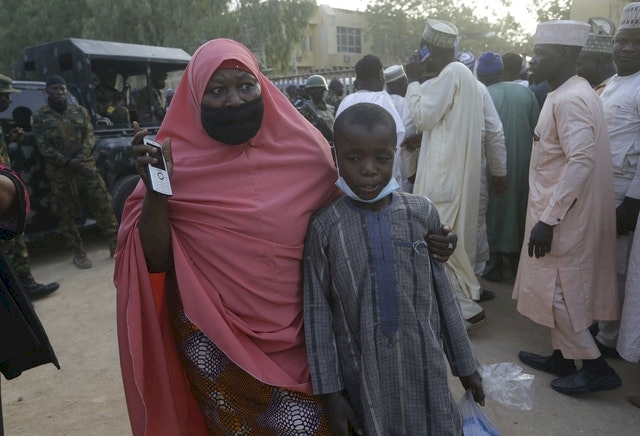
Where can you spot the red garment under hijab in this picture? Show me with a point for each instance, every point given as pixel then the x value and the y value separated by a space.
pixel 238 217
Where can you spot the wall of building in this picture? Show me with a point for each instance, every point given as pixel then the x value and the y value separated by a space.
pixel 319 51
pixel 584 9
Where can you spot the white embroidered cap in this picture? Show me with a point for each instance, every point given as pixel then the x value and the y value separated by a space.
pixel 394 72
pixel 562 32
pixel 440 33
pixel 630 16
pixel 599 44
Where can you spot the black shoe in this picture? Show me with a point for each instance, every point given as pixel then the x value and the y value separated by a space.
pixel 37 290
pixel 486 295
pixel 554 364
pixel 586 381
pixel 493 275
pixel 609 352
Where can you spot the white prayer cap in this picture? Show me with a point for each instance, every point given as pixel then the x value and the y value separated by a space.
pixel 562 32
pixel 599 44
pixel 630 16
pixel 393 73
pixel 440 33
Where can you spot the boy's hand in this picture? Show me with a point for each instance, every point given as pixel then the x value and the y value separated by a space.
pixel 340 415
pixel 442 245
pixel 412 142
pixel 474 382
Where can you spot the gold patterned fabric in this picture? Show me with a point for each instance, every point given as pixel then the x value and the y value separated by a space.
pixel 233 402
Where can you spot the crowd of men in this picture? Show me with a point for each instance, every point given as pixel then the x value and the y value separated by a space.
pixel 535 168
pixel 538 176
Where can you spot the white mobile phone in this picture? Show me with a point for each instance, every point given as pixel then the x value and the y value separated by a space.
pixel 157 172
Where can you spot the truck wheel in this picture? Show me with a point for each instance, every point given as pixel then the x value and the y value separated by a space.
pixel 121 191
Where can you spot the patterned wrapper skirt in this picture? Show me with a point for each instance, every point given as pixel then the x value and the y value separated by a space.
pixel 232 401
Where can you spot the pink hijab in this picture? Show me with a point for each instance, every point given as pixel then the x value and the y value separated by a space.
pixel 238 216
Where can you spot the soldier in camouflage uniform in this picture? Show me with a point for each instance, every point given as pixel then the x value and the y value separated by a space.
pixel 64 135
pixel 110 102
pixel 15 249
pixel 336 91
pixel 316 110
pixel 152 112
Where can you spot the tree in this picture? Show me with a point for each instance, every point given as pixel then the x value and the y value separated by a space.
pixel 396 27
pixel 271 28
pixel 28 22
pixel 552 9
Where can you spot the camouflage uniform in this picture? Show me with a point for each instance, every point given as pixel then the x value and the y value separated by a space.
pixel 321 119
pixel 110 104
pixel 15 249
pixel 333 100
pixel 60 138
pixel 150 114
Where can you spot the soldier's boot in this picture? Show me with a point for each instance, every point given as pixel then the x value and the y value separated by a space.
pixel 81 260
pixel 37 290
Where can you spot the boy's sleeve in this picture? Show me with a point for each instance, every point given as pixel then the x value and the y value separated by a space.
pixel 318 317
pixel 456 343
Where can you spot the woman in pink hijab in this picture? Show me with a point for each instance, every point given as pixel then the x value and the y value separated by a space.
pixel 215 343
pixel 209 280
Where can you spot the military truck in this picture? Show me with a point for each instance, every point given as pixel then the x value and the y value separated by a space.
pixel 87 65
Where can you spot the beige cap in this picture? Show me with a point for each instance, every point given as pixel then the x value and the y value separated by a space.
pixel 5 85
pixel 440 33
pixel 599 44
pixel 562 32
pixel 630 16
pixel 393 73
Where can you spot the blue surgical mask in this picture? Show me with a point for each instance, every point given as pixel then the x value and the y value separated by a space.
pixel 391 186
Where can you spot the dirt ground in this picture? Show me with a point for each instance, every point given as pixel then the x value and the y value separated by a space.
pixel 85 397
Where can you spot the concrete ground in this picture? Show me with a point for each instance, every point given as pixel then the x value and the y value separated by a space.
pixel 85 397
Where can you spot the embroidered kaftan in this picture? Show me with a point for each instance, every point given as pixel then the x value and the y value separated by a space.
pixel 380 315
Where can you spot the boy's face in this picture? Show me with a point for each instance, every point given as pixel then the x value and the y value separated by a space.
pixel 365 158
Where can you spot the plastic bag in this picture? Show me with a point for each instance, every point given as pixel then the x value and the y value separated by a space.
pixel 474 421
pixel 505 383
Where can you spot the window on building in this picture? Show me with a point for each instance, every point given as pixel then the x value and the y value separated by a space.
pixel 349 40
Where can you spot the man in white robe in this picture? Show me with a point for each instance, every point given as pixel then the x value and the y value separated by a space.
pixel 494 156
pixel 396 82
pixel 621 101
pixel 570 221
pixel 450 115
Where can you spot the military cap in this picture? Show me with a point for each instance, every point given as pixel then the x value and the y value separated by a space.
pixel 5 85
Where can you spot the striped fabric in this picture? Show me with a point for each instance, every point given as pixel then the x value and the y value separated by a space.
pixel 362 271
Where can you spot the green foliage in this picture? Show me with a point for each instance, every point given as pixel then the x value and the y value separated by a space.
pixel 552 9
pixel 270 28
pixel 396 27
pixel 29 22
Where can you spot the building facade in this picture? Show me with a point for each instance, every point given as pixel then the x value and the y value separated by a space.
pixel 584 9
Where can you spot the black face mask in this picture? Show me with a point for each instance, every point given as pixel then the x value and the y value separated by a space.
pixel 233 125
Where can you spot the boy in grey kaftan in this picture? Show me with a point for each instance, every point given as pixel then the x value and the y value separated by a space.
pixel 380 314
